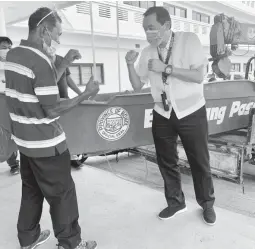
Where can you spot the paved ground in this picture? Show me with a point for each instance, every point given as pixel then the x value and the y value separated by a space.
pixel 228 195
pixel 122 215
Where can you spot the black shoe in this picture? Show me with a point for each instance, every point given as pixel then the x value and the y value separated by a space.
pixel 209 216
pixel 14 170
pixel 44 236
pixel 78 160
pixel 170 212
pixel 84 245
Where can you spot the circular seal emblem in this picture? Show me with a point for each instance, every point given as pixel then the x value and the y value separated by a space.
pixel 113 123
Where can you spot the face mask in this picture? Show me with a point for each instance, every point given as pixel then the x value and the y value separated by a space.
pixel 3 54
pixel 50 50
pixel 155 37
pixel 54 46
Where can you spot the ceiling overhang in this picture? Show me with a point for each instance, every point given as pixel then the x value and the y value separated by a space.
pixel 19 11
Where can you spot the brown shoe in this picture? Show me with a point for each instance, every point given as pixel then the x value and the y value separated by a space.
pixel 44 236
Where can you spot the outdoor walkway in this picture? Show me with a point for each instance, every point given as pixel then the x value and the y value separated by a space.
pixel 123 215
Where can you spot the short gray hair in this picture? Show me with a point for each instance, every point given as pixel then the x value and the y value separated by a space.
pixel 43 15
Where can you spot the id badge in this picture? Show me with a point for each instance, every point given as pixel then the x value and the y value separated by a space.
pixel 164 101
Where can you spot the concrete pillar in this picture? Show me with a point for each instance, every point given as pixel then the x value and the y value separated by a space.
pixel 2 23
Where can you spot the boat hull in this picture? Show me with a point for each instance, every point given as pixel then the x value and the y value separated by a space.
pixel 228 104
pixel 122 121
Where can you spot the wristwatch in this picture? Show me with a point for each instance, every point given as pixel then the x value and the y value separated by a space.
pixel 168 70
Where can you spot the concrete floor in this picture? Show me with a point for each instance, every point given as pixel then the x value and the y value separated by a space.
pixel 122 215
pixel 229 195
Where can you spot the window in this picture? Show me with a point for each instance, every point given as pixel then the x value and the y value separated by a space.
pixel 183 13
pixel 151 4
pixel 244 67
pixel 138 17
pixel 236 67
pixel 133 3
pixel 205 19
pixel 81 73
pixel 123 14
pixel 104 11
pixel 176 11
pixel 196 16
pixel 141 4
pixel 83 8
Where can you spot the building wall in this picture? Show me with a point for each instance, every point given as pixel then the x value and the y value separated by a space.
pixel 105 53
pixel 106 42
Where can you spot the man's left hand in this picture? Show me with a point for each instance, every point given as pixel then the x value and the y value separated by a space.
pixel 156 66
pixel 72 55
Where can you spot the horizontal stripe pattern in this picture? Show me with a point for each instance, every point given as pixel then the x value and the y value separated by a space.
pixel 32 132
pixel 19 69
pixel 23 85
pixel 39 144
pixel 25 120
pixel 22 97
pixel 27 109
pixel 44 152
pixel 30 89
pixel 46 90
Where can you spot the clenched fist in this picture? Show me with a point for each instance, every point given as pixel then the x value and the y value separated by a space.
pixel 156 66
pixel 92 87
pixel 72 55
pixel 131 57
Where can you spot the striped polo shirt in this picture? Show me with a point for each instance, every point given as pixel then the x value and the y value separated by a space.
pixel 31 89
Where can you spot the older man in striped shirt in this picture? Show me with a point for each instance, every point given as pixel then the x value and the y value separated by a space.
pixel 33 101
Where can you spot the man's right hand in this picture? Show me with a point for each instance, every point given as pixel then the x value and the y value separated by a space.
pixel 131 57
pixel 72 55
pixel 92 87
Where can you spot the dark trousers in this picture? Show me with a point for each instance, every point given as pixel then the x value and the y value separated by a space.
pixel 48 178
pixel 12 161
pixel 193 132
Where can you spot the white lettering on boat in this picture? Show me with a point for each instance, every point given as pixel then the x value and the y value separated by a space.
pixel 217 114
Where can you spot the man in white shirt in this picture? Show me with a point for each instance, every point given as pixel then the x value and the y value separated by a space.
pixel 174 64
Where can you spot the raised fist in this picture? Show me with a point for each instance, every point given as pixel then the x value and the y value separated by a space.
pixel 131 57
pixel 92 87
pixel 72 55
